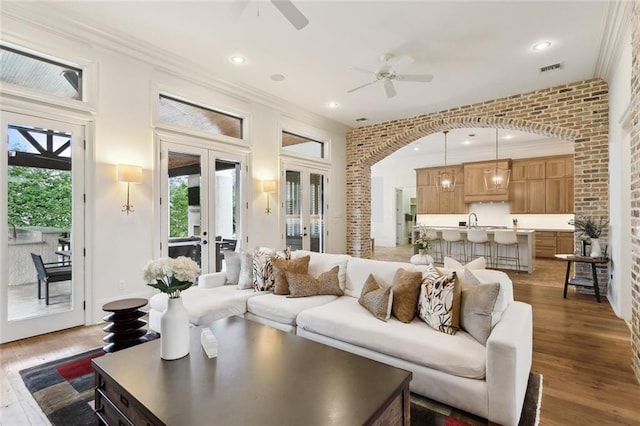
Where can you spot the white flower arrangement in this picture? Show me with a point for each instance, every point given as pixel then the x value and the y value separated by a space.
pixel 170 275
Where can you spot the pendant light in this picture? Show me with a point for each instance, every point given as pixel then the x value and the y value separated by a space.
pixel 446 178
pixel 497 178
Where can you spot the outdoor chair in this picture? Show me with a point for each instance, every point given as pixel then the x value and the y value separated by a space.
pixel 50 273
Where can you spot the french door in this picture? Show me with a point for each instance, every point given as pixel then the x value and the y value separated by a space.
pixel 304 195
pixel 201 199
pixel 41 217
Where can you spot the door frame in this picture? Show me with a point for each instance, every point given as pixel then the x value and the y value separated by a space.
pixel 306 167
pixel 81 129
pixel 210 149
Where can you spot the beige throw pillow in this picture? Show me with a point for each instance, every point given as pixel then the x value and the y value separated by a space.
pixel 476 306
pixel 281 266
pixel 439 304
pixel 479 263
pixel 406 289
pixel 376 299
pixel 303 285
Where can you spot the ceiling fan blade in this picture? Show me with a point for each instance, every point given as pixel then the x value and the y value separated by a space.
pixel 292 13
pixel 389 88
pixel 364 85
pixel 414 77
pixel 362 70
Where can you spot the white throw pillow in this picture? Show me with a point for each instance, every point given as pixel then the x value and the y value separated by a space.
pixel 479 263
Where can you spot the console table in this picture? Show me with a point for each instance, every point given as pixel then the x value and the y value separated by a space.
pixel 126 328
pixel 261 376
pixel 580 281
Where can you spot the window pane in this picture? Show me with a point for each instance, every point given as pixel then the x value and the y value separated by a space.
pixel 302 145
pixel 173 111
pixel 43 75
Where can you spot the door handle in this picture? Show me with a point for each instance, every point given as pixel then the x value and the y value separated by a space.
pixel 304 235
pixel 205 242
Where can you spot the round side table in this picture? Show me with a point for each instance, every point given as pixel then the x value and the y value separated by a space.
pixel 126 328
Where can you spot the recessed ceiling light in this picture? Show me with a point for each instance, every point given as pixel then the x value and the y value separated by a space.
pixel 542 45
pixel 237 59
pixel 277 77
pixel 416 148
pixel 333 104
pixel 508 136
pixel 466 142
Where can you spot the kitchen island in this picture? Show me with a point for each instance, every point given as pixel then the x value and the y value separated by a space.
pixel 526 244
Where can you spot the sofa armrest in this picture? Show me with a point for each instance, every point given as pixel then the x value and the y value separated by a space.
pixel 212 280
pixel 509 354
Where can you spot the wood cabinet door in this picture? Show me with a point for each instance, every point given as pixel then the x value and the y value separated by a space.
pixel 518 170
pixel 545 244
pixel 518 200
pixel 427 201
pixel 446 202
pixel 536 196
pixel 535 169
pixel 422 177
pixel 556 196
pixel 565 243
pixel 555 168
pixel 568 166
pixel 459 205
pixel 569 195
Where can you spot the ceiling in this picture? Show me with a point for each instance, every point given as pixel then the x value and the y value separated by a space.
pixel 476 50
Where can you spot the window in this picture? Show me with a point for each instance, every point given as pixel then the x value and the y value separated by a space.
pixel 302 145
pixel 37 73
pixel 185 114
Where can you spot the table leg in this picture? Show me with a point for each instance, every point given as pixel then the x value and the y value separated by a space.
pixel 595 281
pixel 566 279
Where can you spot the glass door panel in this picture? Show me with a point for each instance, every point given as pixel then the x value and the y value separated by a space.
pixel 42 218
pixel 227 206
pixel 293 210
pixel 316 212
pixel 304 197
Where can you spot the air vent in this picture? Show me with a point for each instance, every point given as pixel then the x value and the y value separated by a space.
pixel 361 119
pixel 552 67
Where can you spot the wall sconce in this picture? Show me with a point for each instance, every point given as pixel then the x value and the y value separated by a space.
pixel 268 186
pixel 128 174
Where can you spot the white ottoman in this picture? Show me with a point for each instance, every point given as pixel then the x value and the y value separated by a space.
pixel 416 259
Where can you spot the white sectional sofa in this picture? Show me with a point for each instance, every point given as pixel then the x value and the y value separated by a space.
pixel 489 381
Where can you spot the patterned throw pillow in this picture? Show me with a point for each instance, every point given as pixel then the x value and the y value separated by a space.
pixel 263 278
pixel 439 304
pixel 376 299
pixel 280 266
pixel 303 285
pixel 406 289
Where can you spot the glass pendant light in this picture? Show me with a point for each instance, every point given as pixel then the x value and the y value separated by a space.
pixel 497 178
pixel 446 178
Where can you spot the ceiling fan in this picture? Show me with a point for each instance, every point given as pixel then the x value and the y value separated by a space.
pixel 387 74
pixel 286 7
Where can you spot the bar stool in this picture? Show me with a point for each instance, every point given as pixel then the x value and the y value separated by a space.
pixel 432 234
pixel 506 239
pixel 477 237
pixel 453 238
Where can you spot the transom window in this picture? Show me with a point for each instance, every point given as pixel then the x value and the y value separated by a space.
pixel 41 74
pixel 302 145
pixel 192 116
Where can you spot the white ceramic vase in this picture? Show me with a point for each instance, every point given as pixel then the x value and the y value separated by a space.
pixel 174 330
pixel 596 251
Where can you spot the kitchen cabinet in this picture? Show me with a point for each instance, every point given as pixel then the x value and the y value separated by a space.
pixel 556 196
pixel 549 243
pixel 474 188
pixel 430 200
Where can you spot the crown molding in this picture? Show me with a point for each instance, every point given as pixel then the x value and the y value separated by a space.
pixel 616 27
pixel 41 15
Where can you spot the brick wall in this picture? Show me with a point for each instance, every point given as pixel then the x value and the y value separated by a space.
pixel 635 190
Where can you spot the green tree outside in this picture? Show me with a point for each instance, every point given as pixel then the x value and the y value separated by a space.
pixel 178 207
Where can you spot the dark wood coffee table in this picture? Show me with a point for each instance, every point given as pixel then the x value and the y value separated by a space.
pixel 261 376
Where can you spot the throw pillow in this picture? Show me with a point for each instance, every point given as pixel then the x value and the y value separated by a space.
pixel 439 304
pixel 467 279
pixel 280 266
pixel 376 299
pixel 232 266
pixel 303 285
pixel 479 263
pixel 262 264
pixel 429 273
pixel 245 278
pixel 406 290
pixel 476 306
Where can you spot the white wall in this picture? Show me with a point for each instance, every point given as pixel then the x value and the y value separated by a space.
pixel 119 245
pixel 619 291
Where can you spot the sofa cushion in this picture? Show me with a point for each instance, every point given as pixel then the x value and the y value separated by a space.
pixel 282 309
pixel 245 278
pixel 376 299
pixel 345 320
pixel 208 304
pixel 358 271
pixel 406 289
pixel 439 303
pixel 322 262
pixel 476 306
pixel 304 285
pixel 281 266
pixel 231 265
pixel 479 263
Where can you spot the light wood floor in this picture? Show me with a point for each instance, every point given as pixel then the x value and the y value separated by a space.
pixel 580 347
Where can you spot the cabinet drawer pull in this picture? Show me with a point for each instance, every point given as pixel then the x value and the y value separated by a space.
pixel 124 401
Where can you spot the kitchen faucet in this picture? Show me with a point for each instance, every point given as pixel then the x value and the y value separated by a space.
pixel 474 223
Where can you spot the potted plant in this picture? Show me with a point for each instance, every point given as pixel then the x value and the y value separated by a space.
pixel 424 243
pixel 590 228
